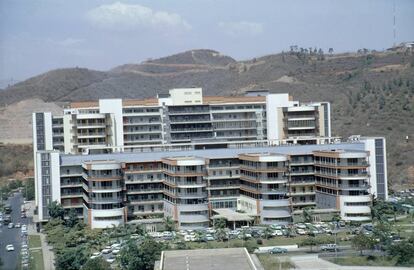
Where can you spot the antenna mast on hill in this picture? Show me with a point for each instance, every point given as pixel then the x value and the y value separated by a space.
pixel 394 30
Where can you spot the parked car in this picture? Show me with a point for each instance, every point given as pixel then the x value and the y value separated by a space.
pixel 301 231
pixel 110 260
pixel 106 250
pixel 277 233
pixel 18 225
pixel 328 247
pixel 209 237
pixel 10 226
pixel 301 226
pixel 10 248
pixel 278 250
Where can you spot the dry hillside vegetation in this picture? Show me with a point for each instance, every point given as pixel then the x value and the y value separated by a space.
pixel 371 94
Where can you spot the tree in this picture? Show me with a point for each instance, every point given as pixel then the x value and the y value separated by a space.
pixel 169 224
pixel 71 259
pixel 220 223
pixel 72 218
pixel 311 242
pixel 362 242
pixel 268 232
pixel 142 256
pixel 403 252
pixel 56 210
pixel 96 264
pixel 29 191
pixel 307 215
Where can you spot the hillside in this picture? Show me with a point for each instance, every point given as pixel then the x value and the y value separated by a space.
pixel 371 94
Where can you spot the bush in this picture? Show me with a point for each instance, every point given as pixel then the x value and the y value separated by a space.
pixel 259 241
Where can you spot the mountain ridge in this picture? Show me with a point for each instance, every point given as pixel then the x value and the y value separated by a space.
pixel 371 94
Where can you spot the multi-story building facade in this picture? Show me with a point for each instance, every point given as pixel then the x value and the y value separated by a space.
pixel 188 157
pixel 189 185
pixel 183 116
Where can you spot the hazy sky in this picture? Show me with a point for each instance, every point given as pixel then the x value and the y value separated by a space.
pixel 39 35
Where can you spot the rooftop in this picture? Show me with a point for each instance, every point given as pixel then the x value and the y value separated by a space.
pixel 147 156
pixel 207 259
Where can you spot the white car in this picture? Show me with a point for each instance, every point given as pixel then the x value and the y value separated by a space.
pixel 10 226
pixel 116 251
pixel 300 231
pixel 18 225
pixel 277 233
pixel 110 260
pixel 10 248
pixel 116 246
pixel 106 250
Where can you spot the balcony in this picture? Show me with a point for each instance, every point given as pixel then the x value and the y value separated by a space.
pixel 198 129
pixel 343 176
pixel 148 212
pixel 146 123
pixel 70 184
pixel 301 193
pixel 301 127
pixel 341 164
pixel 267 180
pixel 147 201
pixel 305 172
pixel 147 131
pixel 302 183
pixel 96 200
pixel 190 120
pixel 187 195
pixel 224 186
pixel 263 168
pixel 226 176
pixel 145 190
pixel 253 119
pixel 189 112
pixel 87 135
pixel 68 195
pixel 142 181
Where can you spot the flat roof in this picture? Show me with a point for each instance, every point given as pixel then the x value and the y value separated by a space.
pixel 207 259
pixel 231 215
pixel 147 156
pixel 207 100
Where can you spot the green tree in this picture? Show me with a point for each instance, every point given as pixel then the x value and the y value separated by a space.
pixel 310 242
pixel 267 232
pixel 72 218
pixel 307 215
pixel 362 242
pixel 56 210
pixel 96 264
pixel 169 224
pixel 71 259
pixel 403 252
pixel 220 223
pixel 29 189
pixel 142 256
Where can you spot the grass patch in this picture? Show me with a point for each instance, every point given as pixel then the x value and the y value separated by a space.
pixel 36 260
pixel 34 241
pixel 271 262
pixel 364 261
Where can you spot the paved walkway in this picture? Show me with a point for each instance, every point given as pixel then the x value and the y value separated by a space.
pixel 312 262
pixel 48 255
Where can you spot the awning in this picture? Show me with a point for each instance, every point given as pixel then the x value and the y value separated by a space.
pixel 231 215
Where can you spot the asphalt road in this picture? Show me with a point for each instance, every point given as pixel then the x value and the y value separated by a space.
pixel 12 236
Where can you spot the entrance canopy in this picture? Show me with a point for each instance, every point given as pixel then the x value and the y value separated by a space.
pixel 231 215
